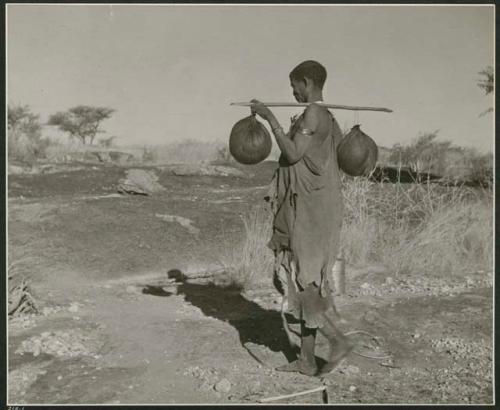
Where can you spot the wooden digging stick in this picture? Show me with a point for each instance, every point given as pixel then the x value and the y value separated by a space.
pixel 288 396
pixel 333 106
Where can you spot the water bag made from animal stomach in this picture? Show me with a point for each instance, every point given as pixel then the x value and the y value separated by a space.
pixel 249 141
pixel 357 153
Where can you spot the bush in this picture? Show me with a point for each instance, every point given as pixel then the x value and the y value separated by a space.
pixel 25 142
pixel 182 152
pixel 426 154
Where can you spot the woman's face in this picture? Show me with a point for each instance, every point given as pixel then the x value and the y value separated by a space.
pixel 299 90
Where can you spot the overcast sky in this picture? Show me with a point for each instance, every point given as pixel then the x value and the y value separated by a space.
pixel 171 71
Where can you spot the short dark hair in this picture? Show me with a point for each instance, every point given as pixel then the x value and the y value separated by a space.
pixel 310 69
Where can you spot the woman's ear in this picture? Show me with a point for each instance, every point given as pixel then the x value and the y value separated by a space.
pixel 308 82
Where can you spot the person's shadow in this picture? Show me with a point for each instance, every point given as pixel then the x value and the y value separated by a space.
pixel 253 323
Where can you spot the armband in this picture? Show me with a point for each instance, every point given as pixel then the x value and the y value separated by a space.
pixel 305 131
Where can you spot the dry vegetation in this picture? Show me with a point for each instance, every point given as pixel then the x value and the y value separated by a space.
pixel 407 228
pixel 249 264
pixel 418 228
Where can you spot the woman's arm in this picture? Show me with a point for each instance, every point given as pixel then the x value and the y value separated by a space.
pixel 293 147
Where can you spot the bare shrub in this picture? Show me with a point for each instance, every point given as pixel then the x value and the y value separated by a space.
pixel 148 155
pixel 20 298
pixel 223 156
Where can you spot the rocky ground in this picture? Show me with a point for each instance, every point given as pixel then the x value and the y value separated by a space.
pixel 113 327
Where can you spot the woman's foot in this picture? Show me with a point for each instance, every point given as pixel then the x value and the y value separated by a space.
pixel 299 366
pixel 338 354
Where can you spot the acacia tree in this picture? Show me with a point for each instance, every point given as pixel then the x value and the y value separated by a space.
pixel 81 122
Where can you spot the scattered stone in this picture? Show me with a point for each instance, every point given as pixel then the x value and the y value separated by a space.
pixel 73 308
pixel 140 182
pixel 205 386
pixel 47 311
pixel 184 222
pixel 21 378
pixel 352 389
pixel 223 386
pixel 58 343
pixel 206 170
pixel 352 370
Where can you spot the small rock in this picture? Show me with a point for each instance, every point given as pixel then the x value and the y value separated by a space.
pixel 365 285
pixel 205 386
pixel 416 335
pixel 223 386
pixel 46 311
pixel 73 308
pixel 59 377
pixel 352 389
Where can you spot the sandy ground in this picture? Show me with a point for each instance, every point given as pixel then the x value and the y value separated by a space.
pixel 114 328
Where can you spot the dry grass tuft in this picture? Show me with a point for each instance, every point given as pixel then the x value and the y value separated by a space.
pixel 417 228
pixel 250 263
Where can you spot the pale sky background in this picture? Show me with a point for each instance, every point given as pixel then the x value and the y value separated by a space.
pixel 171 71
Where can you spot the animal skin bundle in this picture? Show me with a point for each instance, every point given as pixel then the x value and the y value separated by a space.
pixel 249 142
pixel 357 153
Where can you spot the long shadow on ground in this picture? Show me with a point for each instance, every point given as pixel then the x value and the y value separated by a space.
pixel 253 323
